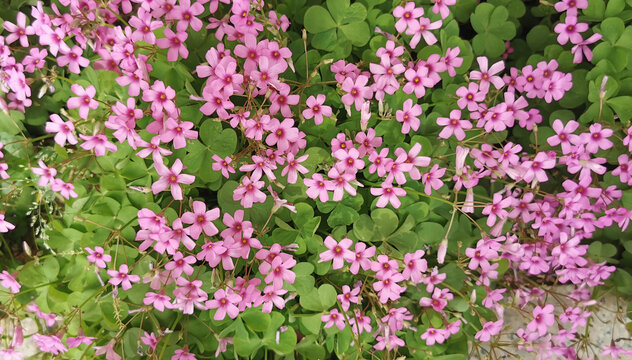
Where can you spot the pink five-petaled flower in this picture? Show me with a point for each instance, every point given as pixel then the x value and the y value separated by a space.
pixel 178 132
pixel 293 167
pixel 201 220
pixel 333 318
pixel 348 296
pixel 98 257
pixel 361 257
pixel 542 318
pixel 414 266
pixel 84 100
pixel 433 336
pixel 171 178
pixel 46 174
pixel 67 190
pixel 224 302
pixel 248 192
pixel 223 165
pixel 175 43
pixel 597 138
pixel 564 134
pixel 407 16
pixel 316 109
pixel 357 91
pixel 582 48
pixel 497 209
pixel 99 143
pixel 387 287
pixel 280 271
pixel 318 187
pixel 453 125
pixel 180 264
pixel 338 251
pixel 19 30
pixel 408 116
pixel 388 194
pixel 271 296
pixel 159 301
pixel 570 30
pixel 64 129
pixel 122 277
pixel 470 96
pixel 487 76
pixel 73 59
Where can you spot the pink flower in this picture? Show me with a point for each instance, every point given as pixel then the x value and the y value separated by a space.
pixel 582 48
pixel 597 138
pixel 84 100
pixel 281 133
pixel 248 192
pixel 453 125
pixel 357 91
pixel 433 336
pixel 564 134
pixel 223 165
pixel 542 318
pixel 161 97
pixel 180 264
pixel 99 143
pixel 108 350
pixel 49 344
pixel 67 190
pixel 154 149
pixel 497 209
pixel 333 318
pixel 150 340
pixel 19 30
pixel 318 187
pixel 316 109
pixel 293 167
pixel 418 81
pixel 348 296
pixel 73 59
pixel 225 303
pixel 361 257
pixel 7 281
pixel 98 256
pixel 145 26
pixel 201 220
pixel 408 116
pixel 171 178
pixel 387 287
pixel 280 271
pixel 414 266
pixel 470 97
pixel 337 251
pixel 271 296
pixel 74 342
pixel 282 100
pixel 175 43
pixel 407 15
pixel 388 194
pixel 570 30
pixel 488 76
pixel 46 174
pixel 159 301
pixel 490 328
pixel 441 7
pixel 122 277
pixel 178 132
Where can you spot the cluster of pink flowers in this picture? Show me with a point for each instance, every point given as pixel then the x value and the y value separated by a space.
pixel 559 222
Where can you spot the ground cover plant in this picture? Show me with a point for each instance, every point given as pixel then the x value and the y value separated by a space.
pixel 313 179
